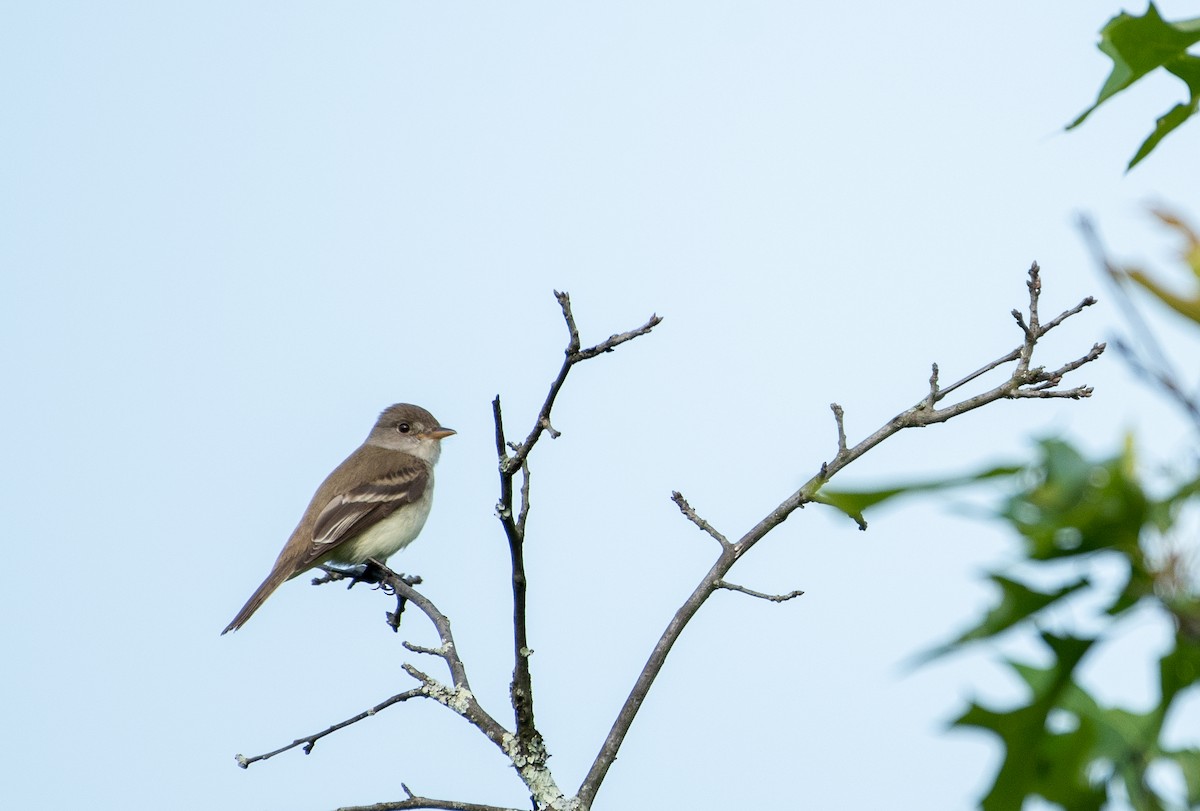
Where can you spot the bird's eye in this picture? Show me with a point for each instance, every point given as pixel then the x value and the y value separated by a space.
pixel 404 427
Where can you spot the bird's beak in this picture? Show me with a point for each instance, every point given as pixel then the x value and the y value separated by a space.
pixel 441 433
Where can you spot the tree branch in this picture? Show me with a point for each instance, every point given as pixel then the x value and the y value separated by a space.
pixel 1151 363
pixel 309 741
pixel 774 598
pixel 526 748
pixel 573 355
pixel 415 802
pixel 458 697
pixel 690 514
pixel 1023 383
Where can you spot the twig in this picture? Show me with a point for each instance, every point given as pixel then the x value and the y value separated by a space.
pixel 309 741
pixel 523 516
pixel 687 510
pixel 1034 272
pixel 468 707
pixel 1033 330
pixel 1161 378
pixel 459 695
pixel 1157 367
pixel 775 598
pixel 440 652
pixel 929 403
pixel 1024 382
pixel 526 748
pixel 1117 277
pixel 839 417
pixel 414 801
pixel 520 691
pixel 573 355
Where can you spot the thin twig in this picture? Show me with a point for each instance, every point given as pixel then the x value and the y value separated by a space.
pixel 929 403
pixel 1033 332
pixel 1041 332
pixel 839 417
pixel 440 652
pixel 573 354
pixel 1160 378
pixel 460 696
pixel 414 801
pixel 309 741
pixel 691 515
pixel 523 516
pixel 775 598
pixel 526 748
pixel 1117 277
pixel 1157 367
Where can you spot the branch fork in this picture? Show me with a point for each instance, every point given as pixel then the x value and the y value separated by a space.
pixel 523 744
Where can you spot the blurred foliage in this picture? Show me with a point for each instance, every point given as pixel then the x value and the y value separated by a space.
pixel 1097 516
pixel 1139 46
pixel 1186 304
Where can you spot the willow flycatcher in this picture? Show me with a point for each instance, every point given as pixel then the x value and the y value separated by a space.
pixel 371 506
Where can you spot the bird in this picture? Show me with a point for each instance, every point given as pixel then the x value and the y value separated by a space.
pixel 371 506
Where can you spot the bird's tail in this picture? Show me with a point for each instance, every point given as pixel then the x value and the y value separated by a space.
pixel 274 580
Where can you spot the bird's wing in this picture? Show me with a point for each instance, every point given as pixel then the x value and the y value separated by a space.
pixel 350 513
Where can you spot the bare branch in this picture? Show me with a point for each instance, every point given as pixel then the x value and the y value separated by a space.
pixel 775 598
pixel 645 679
pixel 1016 353
pixel 439 652
pixel 458 696
pixel 501 444
pixel 1161 378
pixel 1152 362
pixel 1020 319
pixel 525 747
pixel 930 401
pixel 1032 332
pixel 1023 383
pixel 980 372
pixel 1079 393
pixel 1092 354
pixel 616 340
pixel 523 516
pixel 690 514
pixel 414 801
pixel 521 690
pixel 564 301
pixel 1065 314
pixel 309 741
pixel 839 416
pixel 573 354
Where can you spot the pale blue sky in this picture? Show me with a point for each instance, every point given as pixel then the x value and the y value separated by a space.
pixel 235 232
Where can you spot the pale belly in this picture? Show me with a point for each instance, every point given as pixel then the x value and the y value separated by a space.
pixel 387 537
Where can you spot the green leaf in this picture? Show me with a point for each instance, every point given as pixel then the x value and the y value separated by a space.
pixel 1036 761
pixel 1179 669
pixel 1139 45
pixel 854 502
pixel 1079 507
pixel 1018 602
pixel 1188 69
pixel 1188 761
pixel 1186 303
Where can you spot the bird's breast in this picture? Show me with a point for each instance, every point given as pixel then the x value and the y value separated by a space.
pixel 387 537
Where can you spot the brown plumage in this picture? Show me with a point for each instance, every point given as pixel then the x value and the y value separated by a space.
pixel 372 505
